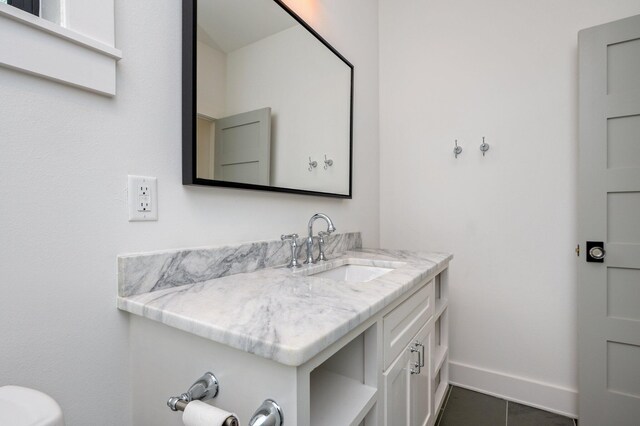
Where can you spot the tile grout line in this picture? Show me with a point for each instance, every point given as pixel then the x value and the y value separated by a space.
pixel 506 419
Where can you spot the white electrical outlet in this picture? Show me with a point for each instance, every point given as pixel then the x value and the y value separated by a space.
pixel 143 198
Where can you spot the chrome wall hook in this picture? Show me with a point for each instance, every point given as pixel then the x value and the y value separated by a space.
pixel 484 147
pixel 327 163
pixel 312 164
pixel 457 150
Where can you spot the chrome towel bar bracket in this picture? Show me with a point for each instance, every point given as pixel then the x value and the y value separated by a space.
pixel 268 414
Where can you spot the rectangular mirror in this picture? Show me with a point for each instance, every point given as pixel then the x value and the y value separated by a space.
pixel 267 102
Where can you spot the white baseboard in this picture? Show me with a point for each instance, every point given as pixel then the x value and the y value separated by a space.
pixel 545 396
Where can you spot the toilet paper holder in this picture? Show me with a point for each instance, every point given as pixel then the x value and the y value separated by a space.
pixel 207 387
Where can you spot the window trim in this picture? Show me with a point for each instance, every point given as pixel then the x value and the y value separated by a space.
pixel 79 60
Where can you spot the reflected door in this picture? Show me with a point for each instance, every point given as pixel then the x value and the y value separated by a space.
pixel 243 148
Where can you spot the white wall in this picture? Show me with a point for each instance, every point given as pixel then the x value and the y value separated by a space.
pixel 284 72
pixel 92 18
pixel 508 71
pixel 65 154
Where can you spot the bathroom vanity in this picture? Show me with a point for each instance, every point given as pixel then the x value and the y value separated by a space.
pixel 358 339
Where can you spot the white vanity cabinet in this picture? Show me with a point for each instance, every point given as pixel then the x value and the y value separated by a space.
pixel 390 370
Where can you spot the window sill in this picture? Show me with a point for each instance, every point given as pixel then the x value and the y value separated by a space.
pixel 40 47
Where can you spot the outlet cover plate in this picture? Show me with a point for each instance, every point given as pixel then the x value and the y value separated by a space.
pixel 143 198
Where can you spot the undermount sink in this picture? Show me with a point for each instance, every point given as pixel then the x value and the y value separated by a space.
pixel 353 273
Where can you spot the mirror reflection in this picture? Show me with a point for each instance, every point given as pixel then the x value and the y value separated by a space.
pixel 273 101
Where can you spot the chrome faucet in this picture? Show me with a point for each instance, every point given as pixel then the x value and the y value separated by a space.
pixel 330 229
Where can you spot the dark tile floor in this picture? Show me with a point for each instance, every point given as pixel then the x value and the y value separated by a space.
pixel 463 407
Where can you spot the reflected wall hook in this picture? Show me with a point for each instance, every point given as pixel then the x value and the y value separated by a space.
pixel 484 147
pixel 327 163
pixel 457 150
pixel 312 164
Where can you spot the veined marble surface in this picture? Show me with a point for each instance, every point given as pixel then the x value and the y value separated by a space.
pixel 286 316
pixel 146 272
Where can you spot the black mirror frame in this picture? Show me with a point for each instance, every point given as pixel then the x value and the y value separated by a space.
pixel 189 81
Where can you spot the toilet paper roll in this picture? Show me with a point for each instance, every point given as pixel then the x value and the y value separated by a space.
pixel 198 413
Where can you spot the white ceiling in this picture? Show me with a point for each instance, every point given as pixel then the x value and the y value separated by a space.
pixel 232 24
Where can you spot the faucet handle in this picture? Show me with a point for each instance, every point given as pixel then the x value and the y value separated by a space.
pixel 321 241
pixel 290 237
pixel 294 249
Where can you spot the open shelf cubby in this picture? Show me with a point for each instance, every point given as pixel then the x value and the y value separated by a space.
pixel 441 339
pixel 339 398
pixel 340 390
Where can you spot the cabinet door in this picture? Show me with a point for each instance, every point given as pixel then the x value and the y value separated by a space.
pixel 406 320
pixel 397 387
pixel 420 385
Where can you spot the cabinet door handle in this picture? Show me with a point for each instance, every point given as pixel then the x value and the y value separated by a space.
pixel 417 367
pixel 421 358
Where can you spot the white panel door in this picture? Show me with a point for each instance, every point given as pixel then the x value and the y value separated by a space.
pixel 609 212
pixel 421 395
pixel 243 148
pixel 397 388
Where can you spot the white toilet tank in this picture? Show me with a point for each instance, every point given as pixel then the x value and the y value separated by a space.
pixel 28 407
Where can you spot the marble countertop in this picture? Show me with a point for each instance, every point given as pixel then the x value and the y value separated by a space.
pixel 286 316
